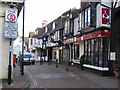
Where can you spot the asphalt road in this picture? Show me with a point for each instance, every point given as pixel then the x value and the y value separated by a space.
pixel 48 76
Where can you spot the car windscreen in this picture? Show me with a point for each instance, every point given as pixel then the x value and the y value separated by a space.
pixel 27 56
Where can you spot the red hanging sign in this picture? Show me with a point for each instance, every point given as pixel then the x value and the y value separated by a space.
pixel 105 16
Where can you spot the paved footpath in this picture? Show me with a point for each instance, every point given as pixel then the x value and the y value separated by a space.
pixel 48 76
pixel 19 81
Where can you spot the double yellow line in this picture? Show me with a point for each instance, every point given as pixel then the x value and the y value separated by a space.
pixel 34 81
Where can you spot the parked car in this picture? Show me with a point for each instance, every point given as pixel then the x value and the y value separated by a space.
pixel 27 59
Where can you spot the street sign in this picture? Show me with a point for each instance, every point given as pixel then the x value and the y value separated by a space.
pixel 10 30
pixel 11 26
pixel 11 15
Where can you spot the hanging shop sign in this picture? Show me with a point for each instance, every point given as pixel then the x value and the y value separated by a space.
pixel 105 16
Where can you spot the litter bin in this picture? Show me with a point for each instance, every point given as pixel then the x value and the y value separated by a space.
pixel 14 60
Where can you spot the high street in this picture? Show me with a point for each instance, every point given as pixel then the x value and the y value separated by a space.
pixel 48 76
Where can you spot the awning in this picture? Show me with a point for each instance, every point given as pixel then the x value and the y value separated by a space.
pixel 101 33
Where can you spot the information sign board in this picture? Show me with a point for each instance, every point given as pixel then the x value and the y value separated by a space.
pixel 10 30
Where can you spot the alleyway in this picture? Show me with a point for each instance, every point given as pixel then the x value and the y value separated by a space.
pixel 48 76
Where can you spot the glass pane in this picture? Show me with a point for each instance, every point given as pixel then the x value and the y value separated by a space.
pixel 83 19
pixel 86 51
pixel 89 16
pixel 80 22
pixel 100 51
pixel 89 51
pixel 86 18
pixel 92 50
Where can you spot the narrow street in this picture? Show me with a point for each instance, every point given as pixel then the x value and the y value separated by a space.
pixel 48 76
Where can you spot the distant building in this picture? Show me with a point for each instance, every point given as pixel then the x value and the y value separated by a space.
pixel 44 23
pixel 31 42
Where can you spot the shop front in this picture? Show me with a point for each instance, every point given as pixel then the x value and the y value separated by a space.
pixel 95 47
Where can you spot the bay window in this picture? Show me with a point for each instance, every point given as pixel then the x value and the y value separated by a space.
pixel 80 21
pixel 87 17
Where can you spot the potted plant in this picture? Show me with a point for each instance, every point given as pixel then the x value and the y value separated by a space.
pixel 33 51
pixel 52 40
pixel 81 61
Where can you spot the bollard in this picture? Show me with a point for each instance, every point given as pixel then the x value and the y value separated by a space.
pixel 49 62
pixel 56 63
pixel 67 66
pixel 41 61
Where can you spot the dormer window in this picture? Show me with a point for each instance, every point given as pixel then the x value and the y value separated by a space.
pixel 46 30
pixel 70 16
pixel 53 25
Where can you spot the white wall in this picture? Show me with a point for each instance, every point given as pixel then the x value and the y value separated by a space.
pixel 4 45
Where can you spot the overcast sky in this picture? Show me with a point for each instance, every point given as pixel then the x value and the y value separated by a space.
pixel 38 10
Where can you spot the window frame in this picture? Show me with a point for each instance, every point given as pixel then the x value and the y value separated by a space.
pixel 88 17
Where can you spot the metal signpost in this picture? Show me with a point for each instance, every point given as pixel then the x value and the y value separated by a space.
pixel 10 32
pixel 22 66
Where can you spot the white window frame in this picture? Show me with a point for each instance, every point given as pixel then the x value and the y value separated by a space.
pixel 87 17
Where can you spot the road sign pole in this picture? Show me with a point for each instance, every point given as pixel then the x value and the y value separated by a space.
pixel 22 68
pixel 9 66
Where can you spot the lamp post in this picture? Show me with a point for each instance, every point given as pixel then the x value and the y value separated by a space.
pixel 22 67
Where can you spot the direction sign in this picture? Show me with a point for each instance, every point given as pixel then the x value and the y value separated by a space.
pixel 11 15
pixel 10 30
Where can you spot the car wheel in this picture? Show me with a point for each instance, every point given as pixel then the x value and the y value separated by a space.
pixel 33 62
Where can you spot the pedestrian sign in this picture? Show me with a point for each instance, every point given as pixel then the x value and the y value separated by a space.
pixel 11 15
pixel 10 30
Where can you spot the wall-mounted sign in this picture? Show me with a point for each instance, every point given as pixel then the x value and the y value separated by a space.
pixel 105 16
pixel 112 56
pixel 11 15
pixel 11 26
pixel 10 30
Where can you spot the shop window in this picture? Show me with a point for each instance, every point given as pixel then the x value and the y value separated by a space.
pixel 85 51
pixel 89 53
pixel 100 51
pixel 92 51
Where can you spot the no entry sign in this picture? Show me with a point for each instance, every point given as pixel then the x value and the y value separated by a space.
pixel 11 15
